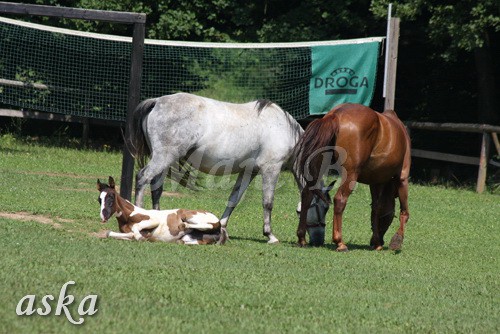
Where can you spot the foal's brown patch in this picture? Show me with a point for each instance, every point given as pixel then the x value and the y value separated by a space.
pixel 137 218
pixel 187 214
pixel 174 224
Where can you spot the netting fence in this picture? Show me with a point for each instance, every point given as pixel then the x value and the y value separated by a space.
pixel 85 74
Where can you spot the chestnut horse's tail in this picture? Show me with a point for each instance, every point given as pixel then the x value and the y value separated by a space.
pixel 318 135
pixel 137 142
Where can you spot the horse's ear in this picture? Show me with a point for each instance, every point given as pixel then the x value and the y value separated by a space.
pixel 322 196
pixel 99 185
pixel 111 182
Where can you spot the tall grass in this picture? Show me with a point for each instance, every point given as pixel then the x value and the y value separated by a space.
pixel 444 280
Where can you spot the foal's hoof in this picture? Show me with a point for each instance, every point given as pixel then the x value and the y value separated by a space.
pixel 103 234
pixel 139 237
pixel 396 242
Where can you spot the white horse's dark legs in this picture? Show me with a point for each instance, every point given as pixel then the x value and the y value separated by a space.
pixel 239 188
pixel 269 179
pixel 157 189
pixel 153 169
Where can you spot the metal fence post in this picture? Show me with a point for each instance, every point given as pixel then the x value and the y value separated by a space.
pixel 134 97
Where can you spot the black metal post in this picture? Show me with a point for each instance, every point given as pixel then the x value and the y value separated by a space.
pixel 133 100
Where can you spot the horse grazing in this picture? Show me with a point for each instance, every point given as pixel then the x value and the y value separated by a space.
pixel 217 138
pixel 315 217
pixel 179 225
pixel 367 147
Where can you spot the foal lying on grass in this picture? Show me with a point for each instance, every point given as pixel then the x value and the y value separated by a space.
pixel 178 225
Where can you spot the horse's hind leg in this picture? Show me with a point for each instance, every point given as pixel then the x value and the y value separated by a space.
pixel 383 202
pixel 404 215
pixel 157 189
pixel 153 169
pixel 244 179
pixel 376 193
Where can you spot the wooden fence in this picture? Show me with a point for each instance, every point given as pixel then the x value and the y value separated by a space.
pixel 138 21
pixel 481 161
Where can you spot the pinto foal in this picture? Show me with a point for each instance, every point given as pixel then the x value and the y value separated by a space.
pixel 178 225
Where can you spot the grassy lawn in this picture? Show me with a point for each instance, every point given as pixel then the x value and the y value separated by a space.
pixel 446 278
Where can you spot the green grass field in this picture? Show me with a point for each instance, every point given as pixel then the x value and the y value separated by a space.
pixel 445 280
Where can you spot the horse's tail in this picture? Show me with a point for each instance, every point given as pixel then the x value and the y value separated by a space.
pixel 318 135
pixel 137 143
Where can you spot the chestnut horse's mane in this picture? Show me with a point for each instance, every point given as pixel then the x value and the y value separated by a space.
pixel 320 133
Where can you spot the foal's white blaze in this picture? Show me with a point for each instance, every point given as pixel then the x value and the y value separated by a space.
pixel 102 197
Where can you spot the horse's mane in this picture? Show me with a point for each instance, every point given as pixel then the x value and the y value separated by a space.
pixel 320 133
pixel 260 104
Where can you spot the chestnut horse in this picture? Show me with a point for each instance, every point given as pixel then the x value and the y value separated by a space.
pixel 367 147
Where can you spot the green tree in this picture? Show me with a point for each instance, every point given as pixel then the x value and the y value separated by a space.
pixel 461 25
pixel 298 20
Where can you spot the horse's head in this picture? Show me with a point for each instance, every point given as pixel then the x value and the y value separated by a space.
pixel 316 215
pixel 107 199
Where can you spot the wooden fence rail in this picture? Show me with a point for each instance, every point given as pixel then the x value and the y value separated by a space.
pixel 481 161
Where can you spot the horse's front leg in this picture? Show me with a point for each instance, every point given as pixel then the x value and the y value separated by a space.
pixel 143 225
pixel 305 202
pixel 269 180
pixel 120 236
pixel 339 204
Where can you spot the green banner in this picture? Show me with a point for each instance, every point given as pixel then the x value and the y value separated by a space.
pixel 342 73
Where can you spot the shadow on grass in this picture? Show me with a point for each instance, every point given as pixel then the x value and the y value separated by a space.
pixel 330 246
pixel 262 241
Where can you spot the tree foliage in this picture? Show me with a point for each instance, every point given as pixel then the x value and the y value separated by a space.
pixel 460 25
pixel 438 63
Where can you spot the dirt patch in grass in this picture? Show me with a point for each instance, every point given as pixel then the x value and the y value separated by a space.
pixel 25 216
pixel 70 175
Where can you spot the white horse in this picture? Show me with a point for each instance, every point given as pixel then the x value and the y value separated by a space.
pixel 217 138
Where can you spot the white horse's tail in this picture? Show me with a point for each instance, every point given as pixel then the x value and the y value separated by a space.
pixel 136 142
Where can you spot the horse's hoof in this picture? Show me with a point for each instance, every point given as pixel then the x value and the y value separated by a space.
pixel 342 248
pixel 377 248
pixel 396 242
pixel 273 240
pixel 139 237
pixel 223 237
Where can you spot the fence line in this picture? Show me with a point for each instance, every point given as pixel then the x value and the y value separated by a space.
pixel 482 161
